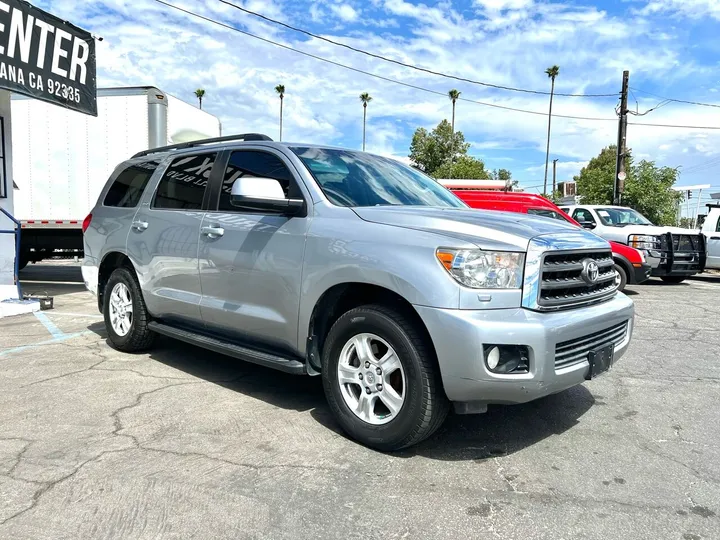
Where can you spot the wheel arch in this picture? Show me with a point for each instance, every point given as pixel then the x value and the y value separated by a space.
pixel 341 298
pixel 111 261
pixel 623 262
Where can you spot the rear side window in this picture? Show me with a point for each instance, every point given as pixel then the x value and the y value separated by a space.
pixel 717 227
pixel 182 187
pixel 128 187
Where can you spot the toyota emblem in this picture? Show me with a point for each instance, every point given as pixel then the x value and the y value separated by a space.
pixel 590 271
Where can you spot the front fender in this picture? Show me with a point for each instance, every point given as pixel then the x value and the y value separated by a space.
pixel 373 254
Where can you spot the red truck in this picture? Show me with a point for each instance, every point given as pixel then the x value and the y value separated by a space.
pixel 629 262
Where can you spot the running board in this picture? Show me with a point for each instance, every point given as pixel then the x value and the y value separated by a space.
pixel 237 351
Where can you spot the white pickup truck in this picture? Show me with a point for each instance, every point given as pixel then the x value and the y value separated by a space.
pixel 673 253
pixel 711 231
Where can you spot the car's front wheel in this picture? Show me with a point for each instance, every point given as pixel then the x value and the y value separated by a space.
pixel 620 277
pixel 126 317
pixel 381 379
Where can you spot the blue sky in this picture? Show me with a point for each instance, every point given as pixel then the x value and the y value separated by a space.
pixel 669 46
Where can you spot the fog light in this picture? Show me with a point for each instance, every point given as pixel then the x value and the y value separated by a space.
pixel 509 359
pixel 493 358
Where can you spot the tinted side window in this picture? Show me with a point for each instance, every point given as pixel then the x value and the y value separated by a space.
pixel 581 215
pixel 182 187
pixel 717 227
pixel 259 164
pixel 128 187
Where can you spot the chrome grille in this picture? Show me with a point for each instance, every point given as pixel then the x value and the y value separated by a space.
pixel 574 351
pixel 564 281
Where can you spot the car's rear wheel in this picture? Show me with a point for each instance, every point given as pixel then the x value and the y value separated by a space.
pixel 673 279
pixel 620 277
pixel 125 313
pixel 381 379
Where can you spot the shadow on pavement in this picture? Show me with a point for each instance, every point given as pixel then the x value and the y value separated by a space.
pixel 501 431
pixel 51 279
pixel 504 429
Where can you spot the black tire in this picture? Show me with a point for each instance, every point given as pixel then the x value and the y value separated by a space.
pixel 673 279
pixel 623 276
pixel 139 337
pixel 425 406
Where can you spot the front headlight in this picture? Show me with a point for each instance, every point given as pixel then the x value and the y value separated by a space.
pixel 480 269
pixel 643 241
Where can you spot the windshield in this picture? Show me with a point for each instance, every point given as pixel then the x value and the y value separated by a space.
pixel 620 217
pixel 546 213
pixel 358 179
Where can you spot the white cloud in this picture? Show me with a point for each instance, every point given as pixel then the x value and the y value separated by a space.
pixel 690 8
pixel 498 5
pixel 147 43
pixel 346 12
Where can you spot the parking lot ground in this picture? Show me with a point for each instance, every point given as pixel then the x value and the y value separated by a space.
pixel 184 443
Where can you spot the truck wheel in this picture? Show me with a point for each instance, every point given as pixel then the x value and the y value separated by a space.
pixel 381 379
pixel 621 278
pixel 126 317
pixel 673 279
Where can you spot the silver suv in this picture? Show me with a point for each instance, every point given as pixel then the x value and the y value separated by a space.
pixel 331 262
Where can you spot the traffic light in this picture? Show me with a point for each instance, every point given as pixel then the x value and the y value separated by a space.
pixel 689 194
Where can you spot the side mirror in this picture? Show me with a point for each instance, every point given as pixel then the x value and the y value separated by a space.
pixel 588 224
pixel 263 194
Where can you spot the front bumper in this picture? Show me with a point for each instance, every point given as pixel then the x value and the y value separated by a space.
pixel 459 335
pixel 640 274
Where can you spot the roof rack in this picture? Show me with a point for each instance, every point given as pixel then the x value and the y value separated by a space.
pixel 192 144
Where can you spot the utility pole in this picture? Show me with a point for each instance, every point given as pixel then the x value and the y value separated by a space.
pixel 620 173
pixel 554 177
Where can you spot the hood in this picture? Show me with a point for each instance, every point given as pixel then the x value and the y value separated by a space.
pixel 652 230
pixel 486 229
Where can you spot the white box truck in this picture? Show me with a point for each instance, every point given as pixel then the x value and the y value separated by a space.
pixel 62 158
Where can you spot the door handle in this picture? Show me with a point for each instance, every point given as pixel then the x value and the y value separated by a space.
pixel 212 232
pixel 140 226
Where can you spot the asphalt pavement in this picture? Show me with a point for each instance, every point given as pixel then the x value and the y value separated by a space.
pixel 185 443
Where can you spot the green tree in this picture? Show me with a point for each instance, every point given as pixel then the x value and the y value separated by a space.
pixel 365 99
pixel 595 181
pixel 430 150
pixel 648 188
pixel 200 94
pixel 280 89
pixel 505 175
pixel 454 95
pixel 551 72
pixel 650 192
pixel 465 167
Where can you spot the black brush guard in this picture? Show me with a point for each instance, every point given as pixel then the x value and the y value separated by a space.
pixel 681 255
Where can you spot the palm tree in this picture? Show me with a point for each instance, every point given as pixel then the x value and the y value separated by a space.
pixel 365 99
pixel 454 95
pixel 280 89
pixel 200 94
pixel 551 72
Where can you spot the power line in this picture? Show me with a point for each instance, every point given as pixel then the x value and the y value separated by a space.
pixel 671 125
pixel 413 86
pixel 678 100
pixel 369 74
pixel 398 62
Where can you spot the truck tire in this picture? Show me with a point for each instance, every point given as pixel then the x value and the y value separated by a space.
pixel 381 379
pixel 622 277
pixel 673 279
pixel 125 314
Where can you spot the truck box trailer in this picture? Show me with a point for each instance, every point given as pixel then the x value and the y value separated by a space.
pixel 62 158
